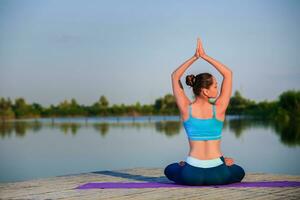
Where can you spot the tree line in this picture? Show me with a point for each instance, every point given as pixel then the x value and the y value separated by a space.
pixel 285 108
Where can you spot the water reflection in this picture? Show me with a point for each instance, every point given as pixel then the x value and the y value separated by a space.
pixel 289 132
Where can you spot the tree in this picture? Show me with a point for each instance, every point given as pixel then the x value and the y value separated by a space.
pixel 6 111
pixel 21 109
pixel 103 102
pixel 290 101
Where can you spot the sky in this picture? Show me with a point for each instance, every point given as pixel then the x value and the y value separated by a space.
pixel 126 50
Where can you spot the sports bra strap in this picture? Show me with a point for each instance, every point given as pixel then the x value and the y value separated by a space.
pixel 214 110
pixel 190 109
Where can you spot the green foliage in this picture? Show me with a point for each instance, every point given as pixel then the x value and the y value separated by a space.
pixel 21 109
pixel 289 101
pixel 103 102
pixel 239 104
pixel 6 111
pixel 166 105
pixel 285 109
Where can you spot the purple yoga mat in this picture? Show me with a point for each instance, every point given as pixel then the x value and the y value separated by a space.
pixel 110 185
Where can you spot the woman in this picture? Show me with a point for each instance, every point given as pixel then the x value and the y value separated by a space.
pixel 203 122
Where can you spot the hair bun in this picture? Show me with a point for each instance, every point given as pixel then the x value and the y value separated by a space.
pixel 190 80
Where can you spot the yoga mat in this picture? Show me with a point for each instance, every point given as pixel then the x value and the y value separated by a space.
pixel 110 185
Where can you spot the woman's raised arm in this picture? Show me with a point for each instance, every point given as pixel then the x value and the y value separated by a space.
pixel 182 100
pixel 218 65
pixel 224 97
pixel 181 69
pixel 226 88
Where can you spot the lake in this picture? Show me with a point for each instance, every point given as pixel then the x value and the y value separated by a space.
pixel 46 147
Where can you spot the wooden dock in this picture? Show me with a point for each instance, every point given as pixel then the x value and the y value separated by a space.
pixel 63 187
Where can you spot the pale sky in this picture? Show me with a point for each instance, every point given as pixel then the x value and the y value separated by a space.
pixel 126 50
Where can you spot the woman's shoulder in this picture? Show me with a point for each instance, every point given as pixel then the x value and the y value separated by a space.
pixel 220 111
pixel 220 108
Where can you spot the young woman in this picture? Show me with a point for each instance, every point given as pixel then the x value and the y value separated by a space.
pixel 203 122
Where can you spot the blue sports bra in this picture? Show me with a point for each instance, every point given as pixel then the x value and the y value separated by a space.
pixel 203 129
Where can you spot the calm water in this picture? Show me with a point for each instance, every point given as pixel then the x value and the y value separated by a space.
pixel 43 148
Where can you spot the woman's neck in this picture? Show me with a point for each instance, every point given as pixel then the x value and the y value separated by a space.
pixel 202 102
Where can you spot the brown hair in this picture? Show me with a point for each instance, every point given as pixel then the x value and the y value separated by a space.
pixel 203 80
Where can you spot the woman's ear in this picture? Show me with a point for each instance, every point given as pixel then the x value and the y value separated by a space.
pixel 205 92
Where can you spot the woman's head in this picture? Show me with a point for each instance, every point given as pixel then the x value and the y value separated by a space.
pixel 204 85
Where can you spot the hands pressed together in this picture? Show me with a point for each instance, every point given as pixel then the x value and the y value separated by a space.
pixel 199 50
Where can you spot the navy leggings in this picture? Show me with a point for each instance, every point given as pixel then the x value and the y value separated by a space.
pixel 191 175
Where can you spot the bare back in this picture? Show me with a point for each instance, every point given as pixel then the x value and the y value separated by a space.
pixel 208 149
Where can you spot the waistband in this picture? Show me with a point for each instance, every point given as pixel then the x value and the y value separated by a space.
pixel 204 163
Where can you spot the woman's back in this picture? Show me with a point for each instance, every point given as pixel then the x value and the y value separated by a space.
pixel 203 149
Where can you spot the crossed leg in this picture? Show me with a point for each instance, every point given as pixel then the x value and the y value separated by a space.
pixel 172 172
pixel 237 173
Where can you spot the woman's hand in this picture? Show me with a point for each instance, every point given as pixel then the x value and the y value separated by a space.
pixel 228 161
pixel 199 50
pixel 181 163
